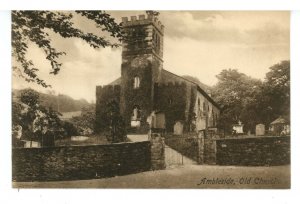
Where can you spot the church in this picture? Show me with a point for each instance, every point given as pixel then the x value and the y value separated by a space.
pixel 145 89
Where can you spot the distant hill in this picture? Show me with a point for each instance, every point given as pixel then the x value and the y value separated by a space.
pixel 61 103
pixel 203 86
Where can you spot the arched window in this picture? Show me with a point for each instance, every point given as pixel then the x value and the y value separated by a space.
pixel 136 83
pixel 213 118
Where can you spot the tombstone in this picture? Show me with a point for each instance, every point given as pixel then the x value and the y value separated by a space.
pixel 160 121
pixel 178 128
pixel 238 128
pixel 157 120
pixel 260 129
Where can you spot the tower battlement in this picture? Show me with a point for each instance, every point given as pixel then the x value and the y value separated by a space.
pixel 143 20
pixel 171 85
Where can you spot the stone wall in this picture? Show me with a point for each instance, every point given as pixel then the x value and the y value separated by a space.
pixel 80 162
pixel 172 99
pixel 258 151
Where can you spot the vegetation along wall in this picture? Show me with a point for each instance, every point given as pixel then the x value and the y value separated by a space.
pixel 260 151
pixel 80 162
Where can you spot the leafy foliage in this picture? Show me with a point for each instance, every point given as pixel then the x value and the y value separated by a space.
pixel 250 100
pixel 116 132
pixel 31 116
pixel 274 98
pixel 34 26
pixel 235 93
pixel 85 123
pixel 60 103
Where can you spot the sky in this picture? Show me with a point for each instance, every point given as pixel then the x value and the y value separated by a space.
pixel 196 43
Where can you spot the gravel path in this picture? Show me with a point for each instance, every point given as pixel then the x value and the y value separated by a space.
pixel 187 176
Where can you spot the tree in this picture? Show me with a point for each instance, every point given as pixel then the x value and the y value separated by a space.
pixel 274 98
pixel 34 26
pixel 32 117
pixel 252 101
pixel 235 93
pixel 86 121
pixel 116 131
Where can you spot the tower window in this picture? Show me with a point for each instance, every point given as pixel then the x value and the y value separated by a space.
pixel 136 83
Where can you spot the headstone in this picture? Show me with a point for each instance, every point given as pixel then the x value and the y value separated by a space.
pixel 178 128
pixel 160 121
pixel 260 129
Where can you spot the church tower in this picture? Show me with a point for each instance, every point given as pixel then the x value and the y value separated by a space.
pixel 142 62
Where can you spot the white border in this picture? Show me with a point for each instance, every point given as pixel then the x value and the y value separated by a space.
pixel 9 195
pixel 151 4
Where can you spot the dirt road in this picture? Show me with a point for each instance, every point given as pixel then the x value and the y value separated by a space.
pixel 188 176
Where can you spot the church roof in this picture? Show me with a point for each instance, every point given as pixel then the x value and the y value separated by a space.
pixel 167 76
pixel 116 82
pixel 280 120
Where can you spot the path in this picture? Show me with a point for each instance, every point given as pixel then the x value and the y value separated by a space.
pixel 191 176
pixel 172 157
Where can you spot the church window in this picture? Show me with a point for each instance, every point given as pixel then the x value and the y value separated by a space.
pixel 213 118
pixel 204 109
pixel 199 107
pixel 136 82
pixel 170 101
pixel 158 43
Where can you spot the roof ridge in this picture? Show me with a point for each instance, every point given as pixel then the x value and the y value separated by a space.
pixel 181 77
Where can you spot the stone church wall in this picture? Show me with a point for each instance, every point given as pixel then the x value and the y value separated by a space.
pixel 140 97
pixel 171 98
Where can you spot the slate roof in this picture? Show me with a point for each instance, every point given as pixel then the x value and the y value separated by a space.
pixel 167 76
pixel 280 120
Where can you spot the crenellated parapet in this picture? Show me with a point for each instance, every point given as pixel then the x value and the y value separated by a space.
pixel 171 85
pixel 107 93
pixel 143 20
pixel 104 96
pixel 107 88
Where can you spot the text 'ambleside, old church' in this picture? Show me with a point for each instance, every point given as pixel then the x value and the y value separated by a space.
pixel 145 89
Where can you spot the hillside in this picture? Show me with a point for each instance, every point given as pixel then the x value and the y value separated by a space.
pixel 61 102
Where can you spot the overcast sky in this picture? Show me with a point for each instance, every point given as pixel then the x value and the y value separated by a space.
pixel 198 43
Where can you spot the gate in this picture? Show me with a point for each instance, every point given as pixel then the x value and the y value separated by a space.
pixel 180 150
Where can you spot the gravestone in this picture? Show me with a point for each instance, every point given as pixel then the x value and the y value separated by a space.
pixel 178 128
pixel 260 129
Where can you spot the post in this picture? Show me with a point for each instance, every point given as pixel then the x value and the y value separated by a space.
pixel 200 141
pixel 157 151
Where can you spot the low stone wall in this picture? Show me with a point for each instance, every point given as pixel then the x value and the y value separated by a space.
pixel 258 151
pixel 80 162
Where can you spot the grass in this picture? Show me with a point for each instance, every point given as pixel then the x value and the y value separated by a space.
pixel 92 140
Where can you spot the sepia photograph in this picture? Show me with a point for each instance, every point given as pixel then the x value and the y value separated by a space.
pixel 150 99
